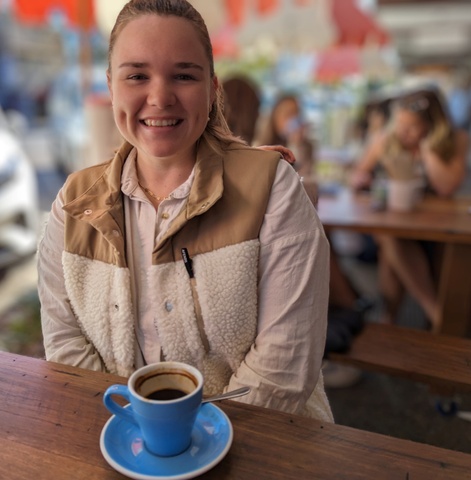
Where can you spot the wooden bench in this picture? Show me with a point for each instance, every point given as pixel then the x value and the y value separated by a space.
pixel 441 361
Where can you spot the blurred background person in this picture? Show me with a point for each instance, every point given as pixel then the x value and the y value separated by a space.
pixel 241 106
pixel 286 126
pixel 422 136
pixel 373 118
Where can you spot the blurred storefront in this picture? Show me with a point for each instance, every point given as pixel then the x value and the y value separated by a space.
pixel 329 52
pixel 333 53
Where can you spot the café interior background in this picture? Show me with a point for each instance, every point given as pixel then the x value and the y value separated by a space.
pixel 335 54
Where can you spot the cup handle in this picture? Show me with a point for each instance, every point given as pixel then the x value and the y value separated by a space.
pixel 113 407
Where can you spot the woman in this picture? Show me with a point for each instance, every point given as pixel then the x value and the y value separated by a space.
pixel 420 138
pixel 286 126
pixel 241 106
pixel 188 245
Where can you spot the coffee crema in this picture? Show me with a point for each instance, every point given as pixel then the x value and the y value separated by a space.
pixel 166 394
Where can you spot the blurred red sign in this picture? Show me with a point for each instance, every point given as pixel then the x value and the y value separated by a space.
pixel 79 13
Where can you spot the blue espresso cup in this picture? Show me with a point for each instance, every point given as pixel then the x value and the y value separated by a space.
pixel 164 401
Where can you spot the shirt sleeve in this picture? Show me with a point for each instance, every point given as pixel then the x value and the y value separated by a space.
pixel 283 365
pixel 64 341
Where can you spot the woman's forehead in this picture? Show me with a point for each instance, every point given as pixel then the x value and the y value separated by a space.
pixel 404 114
pixel 156 35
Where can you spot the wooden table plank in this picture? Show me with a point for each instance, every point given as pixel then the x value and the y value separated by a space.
pixel 51 417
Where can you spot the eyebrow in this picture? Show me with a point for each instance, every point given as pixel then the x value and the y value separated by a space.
pixel 183 65
pixel 187 65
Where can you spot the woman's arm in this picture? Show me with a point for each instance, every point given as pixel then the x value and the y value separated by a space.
pixel 283 364
pixel 362 174
pixel 64 341
pixel 446 177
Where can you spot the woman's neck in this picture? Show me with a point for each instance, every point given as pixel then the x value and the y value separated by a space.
pixel 162 177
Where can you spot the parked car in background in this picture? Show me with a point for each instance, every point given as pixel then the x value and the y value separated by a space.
pixel 19 208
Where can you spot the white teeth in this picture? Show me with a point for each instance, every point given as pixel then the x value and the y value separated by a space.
pixel 160 123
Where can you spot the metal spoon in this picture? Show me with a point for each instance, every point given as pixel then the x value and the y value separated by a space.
pixel 224 396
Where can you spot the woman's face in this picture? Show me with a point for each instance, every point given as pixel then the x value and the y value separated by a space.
pixel 409 128
pixel 286 111
pixel 160 86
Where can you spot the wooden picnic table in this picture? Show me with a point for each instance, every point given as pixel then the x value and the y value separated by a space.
pixel 51 417
pixel 436 219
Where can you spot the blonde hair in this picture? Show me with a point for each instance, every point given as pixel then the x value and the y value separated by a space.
pixel 217 132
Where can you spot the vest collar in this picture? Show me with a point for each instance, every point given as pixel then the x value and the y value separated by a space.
pixel 105 191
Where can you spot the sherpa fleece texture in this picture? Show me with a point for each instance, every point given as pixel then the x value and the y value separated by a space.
pixel 229 308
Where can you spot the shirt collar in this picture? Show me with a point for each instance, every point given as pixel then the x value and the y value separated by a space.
pixel 130 182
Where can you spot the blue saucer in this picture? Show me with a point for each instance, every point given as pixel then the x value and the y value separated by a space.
pixel 123 448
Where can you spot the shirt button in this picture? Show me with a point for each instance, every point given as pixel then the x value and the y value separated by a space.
pixel 165 215
pixel 88 212
pixel 168 306
pixel 116 233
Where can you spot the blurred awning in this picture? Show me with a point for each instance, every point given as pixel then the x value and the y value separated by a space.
pixel 297 24
pixel 336 63
pixel 77 13
pixel 339 62
pixel 354 26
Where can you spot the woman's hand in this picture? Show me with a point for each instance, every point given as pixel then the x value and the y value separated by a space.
pixel 286 153
pixel 362 173
pixel 360 179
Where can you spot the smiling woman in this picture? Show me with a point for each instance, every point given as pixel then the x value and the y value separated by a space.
pixel 188 245
pixel 161 97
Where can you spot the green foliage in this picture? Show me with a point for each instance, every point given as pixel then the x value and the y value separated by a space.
pixel 20 327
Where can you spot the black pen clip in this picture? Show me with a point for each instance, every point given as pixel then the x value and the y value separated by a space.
pixel 187 262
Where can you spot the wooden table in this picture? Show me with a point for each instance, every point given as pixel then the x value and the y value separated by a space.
pixel 51 417
pixel 442 220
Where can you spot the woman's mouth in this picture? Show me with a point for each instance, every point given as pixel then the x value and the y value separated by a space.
pixel 160 123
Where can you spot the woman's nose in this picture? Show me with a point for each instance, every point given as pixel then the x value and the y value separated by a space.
pixel 161 94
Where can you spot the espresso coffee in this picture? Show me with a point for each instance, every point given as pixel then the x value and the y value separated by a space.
pixel 166 394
